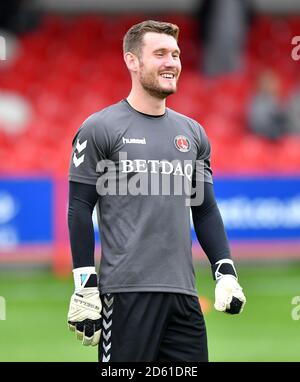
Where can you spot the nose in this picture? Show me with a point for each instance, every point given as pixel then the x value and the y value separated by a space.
pixel 171 61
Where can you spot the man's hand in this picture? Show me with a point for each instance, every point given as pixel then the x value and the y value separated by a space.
pixel 229 296
pixel 84 316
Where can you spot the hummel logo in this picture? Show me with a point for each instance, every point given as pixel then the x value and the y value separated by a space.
pixel 77 161
pixel 107 325
pixel 107 335
pixel 106 358
pixel 108 301
pixel 134 140
pixel 79 147
pixel 107 313
pixel 107 347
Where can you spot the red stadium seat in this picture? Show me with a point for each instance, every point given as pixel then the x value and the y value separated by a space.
pixel 72 66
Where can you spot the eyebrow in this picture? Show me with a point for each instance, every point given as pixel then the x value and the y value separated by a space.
pixel 165 50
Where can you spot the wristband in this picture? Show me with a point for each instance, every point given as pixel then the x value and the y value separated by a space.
pixel 222 268
pixel 85 277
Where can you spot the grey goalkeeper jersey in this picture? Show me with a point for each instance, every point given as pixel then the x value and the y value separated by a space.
pixel 143 167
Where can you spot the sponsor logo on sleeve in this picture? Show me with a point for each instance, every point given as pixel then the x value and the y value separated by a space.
pixel 79 158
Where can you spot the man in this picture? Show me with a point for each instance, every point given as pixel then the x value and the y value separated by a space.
pixel 293 111
pixel 149 305
pixel 266 114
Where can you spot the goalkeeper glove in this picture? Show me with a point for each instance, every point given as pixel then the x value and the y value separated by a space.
pixel 229 296
pixel 84 316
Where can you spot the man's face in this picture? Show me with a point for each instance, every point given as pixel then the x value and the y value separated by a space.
pixel 159 64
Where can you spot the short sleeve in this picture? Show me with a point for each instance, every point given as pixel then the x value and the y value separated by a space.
pixel 90 145
pixel 203 169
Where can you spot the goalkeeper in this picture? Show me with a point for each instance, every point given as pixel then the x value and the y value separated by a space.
pixel 143 305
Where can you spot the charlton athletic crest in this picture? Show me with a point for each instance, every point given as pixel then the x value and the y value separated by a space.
pixel 182 143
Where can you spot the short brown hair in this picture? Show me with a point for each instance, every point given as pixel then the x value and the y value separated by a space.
pixel 133 39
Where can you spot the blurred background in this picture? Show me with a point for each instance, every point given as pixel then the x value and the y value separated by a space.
pixel 60 61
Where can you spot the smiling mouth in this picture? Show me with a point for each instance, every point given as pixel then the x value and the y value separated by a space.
pixel 168 76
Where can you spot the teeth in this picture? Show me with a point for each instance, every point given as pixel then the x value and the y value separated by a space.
pixel 165 75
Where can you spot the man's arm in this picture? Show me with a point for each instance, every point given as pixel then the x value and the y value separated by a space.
pixel 91 144
pixel 82 200
pixel 212 237
pixel 85 305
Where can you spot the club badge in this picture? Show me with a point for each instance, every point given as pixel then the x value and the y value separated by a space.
pixel 182 143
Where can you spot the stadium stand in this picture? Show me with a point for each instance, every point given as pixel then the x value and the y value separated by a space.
pixel 66 68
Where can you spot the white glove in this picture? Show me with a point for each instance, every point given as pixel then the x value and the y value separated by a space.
pixel 84 316
pixel 229 296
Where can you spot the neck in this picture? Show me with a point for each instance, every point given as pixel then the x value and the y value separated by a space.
pixel 145 103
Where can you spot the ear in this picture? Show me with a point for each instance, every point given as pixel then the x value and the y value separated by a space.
pixel 131 61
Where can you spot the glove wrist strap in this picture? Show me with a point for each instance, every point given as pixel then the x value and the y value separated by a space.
pixel 85 277
pixel 222 268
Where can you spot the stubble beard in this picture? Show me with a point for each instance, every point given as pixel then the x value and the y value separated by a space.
pixel 151 85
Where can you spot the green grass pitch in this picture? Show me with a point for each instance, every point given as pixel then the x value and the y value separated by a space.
pixel 36 307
